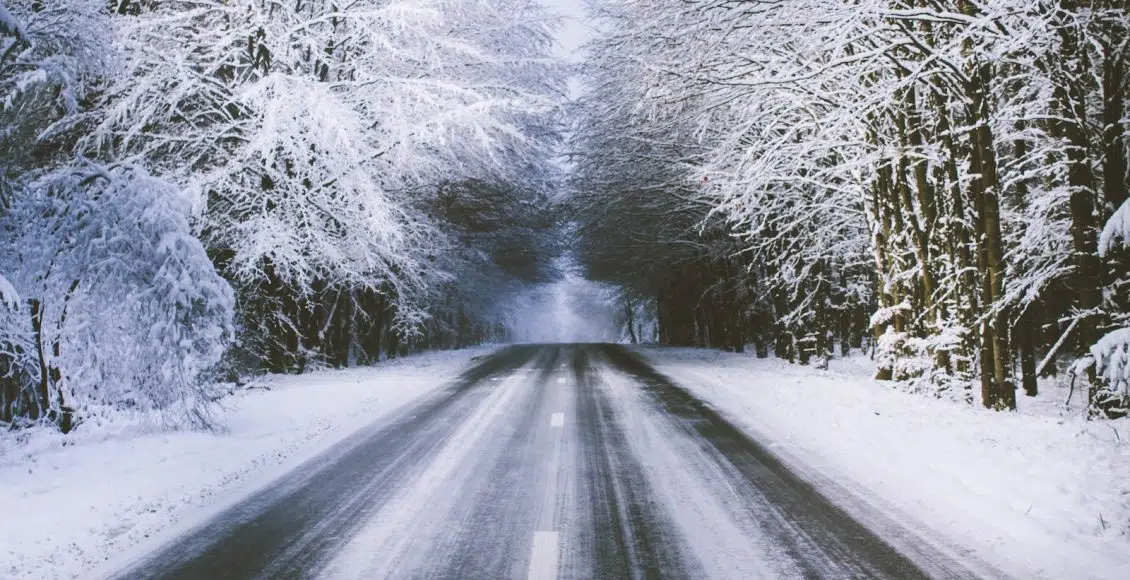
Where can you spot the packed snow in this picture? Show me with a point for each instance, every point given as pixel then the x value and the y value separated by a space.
pixel 1042 493
pixel 106 491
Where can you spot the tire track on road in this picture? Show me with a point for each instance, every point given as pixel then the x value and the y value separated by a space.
pixel 821 538
pixel 628 536
pixel 289 528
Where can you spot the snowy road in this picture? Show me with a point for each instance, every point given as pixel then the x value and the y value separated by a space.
pixel 544 462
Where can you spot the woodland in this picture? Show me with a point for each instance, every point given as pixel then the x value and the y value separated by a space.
pixel 195 191
pixel 940 183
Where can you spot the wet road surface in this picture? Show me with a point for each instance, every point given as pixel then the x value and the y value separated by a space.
pixel 543 462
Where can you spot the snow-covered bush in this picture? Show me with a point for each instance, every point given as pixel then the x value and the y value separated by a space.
pixel 1111 356
pixel 913 362
pixel 124 308
pixel 1117 230
pixel 9 298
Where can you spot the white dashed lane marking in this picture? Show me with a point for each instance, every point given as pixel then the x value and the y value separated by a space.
pixel 543 560
pixel 557 420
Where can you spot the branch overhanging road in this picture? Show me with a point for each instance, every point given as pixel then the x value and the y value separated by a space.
pixel 544 462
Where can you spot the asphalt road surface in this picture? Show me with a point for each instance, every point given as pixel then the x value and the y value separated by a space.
pixel 544 462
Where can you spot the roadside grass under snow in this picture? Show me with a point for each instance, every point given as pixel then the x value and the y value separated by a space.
pixel 1041 493
pixel 71 503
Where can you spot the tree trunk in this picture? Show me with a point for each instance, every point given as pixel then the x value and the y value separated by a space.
pixel 1026 331
pixel 631 320
pixel 1086 279
pixel 1114 82
pixel 43 386
pixel 997 389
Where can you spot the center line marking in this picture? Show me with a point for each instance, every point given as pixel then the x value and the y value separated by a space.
pixel 557 420
pixel 543 560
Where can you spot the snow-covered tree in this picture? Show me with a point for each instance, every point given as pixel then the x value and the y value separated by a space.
pixel 1110 355
pixel 303 130
pixel 307 153
pixel 942 163
pixel 123 307
pixel 314 139
pixel 52 55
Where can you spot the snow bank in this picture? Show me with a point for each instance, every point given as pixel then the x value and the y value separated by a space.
pixel 71 503
pixel 1037 494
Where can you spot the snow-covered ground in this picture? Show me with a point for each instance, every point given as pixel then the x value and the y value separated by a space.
pixel 72 503
pixel 1035 494
pixel 1040 493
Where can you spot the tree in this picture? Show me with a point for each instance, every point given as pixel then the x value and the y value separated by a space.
pixel 935 163
pixel 316 142
pixel 122 307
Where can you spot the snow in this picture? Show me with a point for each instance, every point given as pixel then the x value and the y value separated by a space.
pixel 145 311
pixel 1112 360
pixel 8 295
pixel 1041 493
pixel 8 23
pixel 1117 230
pixel 93 497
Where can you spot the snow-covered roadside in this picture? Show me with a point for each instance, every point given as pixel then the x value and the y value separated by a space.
pixel 1036 494
pixel 71 503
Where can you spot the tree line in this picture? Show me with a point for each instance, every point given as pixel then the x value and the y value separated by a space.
pixel 191 191
pixel 941 181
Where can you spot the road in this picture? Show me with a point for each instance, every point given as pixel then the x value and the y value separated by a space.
pixel 543 462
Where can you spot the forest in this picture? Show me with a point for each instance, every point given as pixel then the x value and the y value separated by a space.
pixel 195 191
pixel 941 183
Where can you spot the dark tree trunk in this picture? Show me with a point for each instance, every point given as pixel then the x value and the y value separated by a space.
pixel 393 344
pixel 1069 75
pixel 1027 329
pixel 1114 110
pixel 43 385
